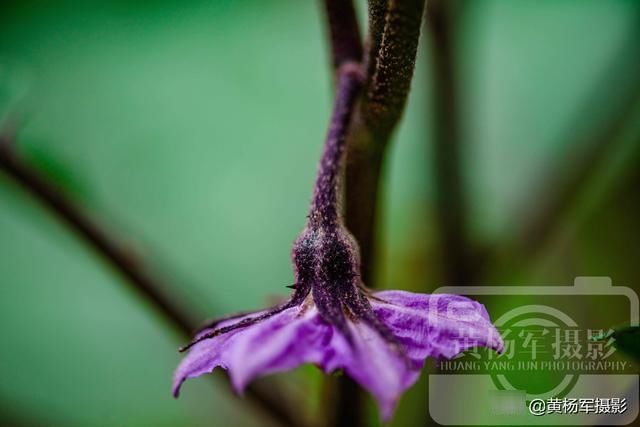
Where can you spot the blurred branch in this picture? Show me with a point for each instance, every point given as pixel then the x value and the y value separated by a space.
pixel 457 267
pixel 267 399
pixel 450 204
pixel 607 111
pixel 64 209
pixel 8 417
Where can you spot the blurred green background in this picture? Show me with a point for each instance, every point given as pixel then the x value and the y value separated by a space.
pixel 191 130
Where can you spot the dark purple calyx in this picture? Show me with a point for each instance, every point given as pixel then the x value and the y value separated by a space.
pixel 326 257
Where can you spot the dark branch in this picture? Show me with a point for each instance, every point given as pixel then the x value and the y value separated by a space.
pixel 457 267
pixel 117 256
pixel 346 45
pixel 267 399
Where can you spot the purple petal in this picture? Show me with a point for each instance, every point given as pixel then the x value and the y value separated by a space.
pixel 438 325
pixel 374 364
pixel 205 356
pixel 281 342
pixel 297 336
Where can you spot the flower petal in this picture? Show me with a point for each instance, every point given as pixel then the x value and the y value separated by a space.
pixel 278 343
pixel 374 364
pixel 282 342
pixel 438 325
pixel 426 325
pixel 296 336
pixel 206 355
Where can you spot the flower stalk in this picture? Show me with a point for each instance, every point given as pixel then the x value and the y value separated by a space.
pixel 324 207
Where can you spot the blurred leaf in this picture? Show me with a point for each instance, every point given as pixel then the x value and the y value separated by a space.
pixel 626 339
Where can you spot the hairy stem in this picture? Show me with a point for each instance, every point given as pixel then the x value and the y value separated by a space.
pixel 344 397
pixel 324 208
pixel 268 401
pixel 377 11
pixel 388 86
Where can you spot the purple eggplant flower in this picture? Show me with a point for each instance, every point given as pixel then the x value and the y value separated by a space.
pixel 380 339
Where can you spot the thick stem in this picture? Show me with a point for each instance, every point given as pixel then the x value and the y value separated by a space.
pixel 388 86
pixel 363 175
pixel 268 400
pixel 392 46
pixel 377 10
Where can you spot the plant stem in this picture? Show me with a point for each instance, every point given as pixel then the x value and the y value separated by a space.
pixel 392 52
pixel 388 86
pixel 324 208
